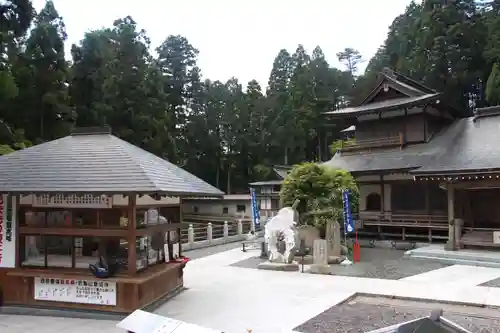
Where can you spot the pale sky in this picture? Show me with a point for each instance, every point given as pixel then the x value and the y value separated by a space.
pixel 241 37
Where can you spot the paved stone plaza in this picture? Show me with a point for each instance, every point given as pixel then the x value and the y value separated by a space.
pixel 223 296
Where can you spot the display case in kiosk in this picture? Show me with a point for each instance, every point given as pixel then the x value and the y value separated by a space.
pixel 90 221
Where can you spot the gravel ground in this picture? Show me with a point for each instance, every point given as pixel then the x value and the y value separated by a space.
pixel 386 264
pixel 492 283
pixel 375 263
pixel 357 317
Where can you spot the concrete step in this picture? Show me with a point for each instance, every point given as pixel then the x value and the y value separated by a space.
pixel 452 255
pixel 485 258
pixel 456 261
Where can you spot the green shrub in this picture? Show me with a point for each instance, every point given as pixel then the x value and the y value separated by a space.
pixel 320 191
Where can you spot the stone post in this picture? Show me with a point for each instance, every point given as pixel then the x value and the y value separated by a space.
pixel 240 228
pixel 320 253
pixel 209 232
pixel 226 230
pixel 451 243
pixel 333 240
pixel 320 257
pixel 190 235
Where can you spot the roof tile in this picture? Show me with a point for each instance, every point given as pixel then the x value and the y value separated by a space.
pixel 95 163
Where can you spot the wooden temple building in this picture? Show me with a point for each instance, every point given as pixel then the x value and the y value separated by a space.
pixel 425 169
pixel 267 192
pixel 91 222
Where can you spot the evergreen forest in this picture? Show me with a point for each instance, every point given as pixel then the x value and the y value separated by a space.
pixel 227 133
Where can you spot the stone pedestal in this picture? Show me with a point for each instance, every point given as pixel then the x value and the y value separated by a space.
pixel 320 269
pixel 276 266
pixel 320 257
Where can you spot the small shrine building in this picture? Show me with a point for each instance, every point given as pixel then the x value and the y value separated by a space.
pixel 91 222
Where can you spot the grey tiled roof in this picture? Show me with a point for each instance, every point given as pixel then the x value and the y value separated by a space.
pixel 98 163
pixel 471 145
pixel 387 105
pixel 282 170
pixel 392 159
pixel 267 183
pixel 411 157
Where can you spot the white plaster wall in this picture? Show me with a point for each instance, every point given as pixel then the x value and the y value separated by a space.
pixel 215 207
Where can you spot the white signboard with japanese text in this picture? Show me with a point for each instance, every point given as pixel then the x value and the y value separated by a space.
pixel 8 218
pixel 75 291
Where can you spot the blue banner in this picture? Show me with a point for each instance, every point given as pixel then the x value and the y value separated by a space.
pixel 255 209
pixel 348 222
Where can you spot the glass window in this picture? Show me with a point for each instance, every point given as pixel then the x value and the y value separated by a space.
pixel 33 219
pixel 150 250
pixel 150 216
pixel 241 208
pixel 196 209
pixel 225 210
pixel 58 219
pixel 59 251
pixel 113 218
pixel 85 218
pixel 32 251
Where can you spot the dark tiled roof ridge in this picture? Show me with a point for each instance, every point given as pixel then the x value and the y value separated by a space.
pixel 388 105
pixel 402 77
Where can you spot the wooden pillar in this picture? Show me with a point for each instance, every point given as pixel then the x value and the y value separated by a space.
pixel 16 220
pixel 179 230
pixel 428 210
pixel 132 231
pixel 451 243
pixel 404 135
pixel 425 123
pixel 382 195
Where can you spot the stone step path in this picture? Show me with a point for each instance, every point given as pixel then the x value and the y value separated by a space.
pixel 457 275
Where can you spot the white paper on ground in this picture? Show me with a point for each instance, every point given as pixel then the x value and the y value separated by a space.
pixel 346 262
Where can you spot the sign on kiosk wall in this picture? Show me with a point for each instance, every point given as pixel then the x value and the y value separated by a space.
pixel 7 231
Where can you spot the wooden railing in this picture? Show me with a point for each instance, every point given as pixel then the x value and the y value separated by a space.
pixel 404 220
pixel 392 141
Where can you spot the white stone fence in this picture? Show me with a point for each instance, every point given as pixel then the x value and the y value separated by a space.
pixel 200 235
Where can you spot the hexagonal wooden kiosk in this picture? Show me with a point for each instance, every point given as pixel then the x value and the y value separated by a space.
pixel 91 201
